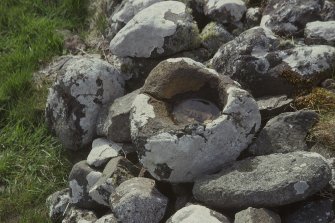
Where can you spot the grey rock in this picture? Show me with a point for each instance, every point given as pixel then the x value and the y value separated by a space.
pixel 109 218
pixel 328 11
pixel 253 17
pixel 57 204
pixel 273 105
pixel 201 54
pixel 289 17
pixel 265 181
pixel 115 123
pixel 211 122
pixel 225 11
pixel 76 98
pixel 284 133
pixel 162 29
pixel 102 151
pixel 329 84
pixel 319 32
pixel 138 201
pixel 197 214
pixel 77 215
pixel 320 211
pixel 255 215
pixel 214 35
pixel 117 170
pixel 82 178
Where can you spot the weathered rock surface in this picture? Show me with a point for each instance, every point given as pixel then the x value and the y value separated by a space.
pixel 137 200
pixel 77 215
pixel 320 211
pixel 255 215
pixel 75 100
pixel 82 178
pixel 225 11
pixel 115 122
pixel 273 106
pixel 212 121
pixel 265 181
pixel 57 204
pixel 197 214
pixel 328 11
pixel 102 151
pixel 162 29
pixel 319 32
pixel 214 35
pixel 289 17
pixel 253 17
pixel 284 133
pixel 117 170
pixel 110 218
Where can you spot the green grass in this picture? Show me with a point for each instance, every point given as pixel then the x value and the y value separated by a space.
pixel 32 163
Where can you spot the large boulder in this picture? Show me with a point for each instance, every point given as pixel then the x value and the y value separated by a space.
pixel 138 200
pixel 289 17
pixel 265 181
pixel 226 11
pixel 284 133
pixel 162 29
pixel 76 98
pixel 257 215
pixel 197 214
pixel 188 121
pixel 320 33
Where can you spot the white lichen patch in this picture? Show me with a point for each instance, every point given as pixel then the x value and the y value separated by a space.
pixel 300 187
pixel 102 151
pixel 77 191
pixel 147 30
pixel 233 9
pixel 196 213
pixel 308 60
pixel 321 30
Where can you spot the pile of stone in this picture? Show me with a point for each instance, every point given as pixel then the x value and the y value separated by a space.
pixel 189 116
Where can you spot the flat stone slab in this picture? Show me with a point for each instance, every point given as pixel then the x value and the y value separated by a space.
pixel 102 151
pixel 265 181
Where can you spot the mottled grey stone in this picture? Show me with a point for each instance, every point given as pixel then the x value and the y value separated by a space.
pixel 253 17
pixel 328 11
pixel 255 215
pixel 117 170
pixel 102 151
pixel 225 11
pixel 82 178
pixel 319 32
pixel 197 214
pixel 109 218
pixel 284 133
pixel 177 151
pixel 138 201
pixel 214 35
pixel 115 123
pixel 76 215
pixel 265 181
pixel 289 17
pixel 57 204
pixel 320 211
pixel 76 98
pixel 162 29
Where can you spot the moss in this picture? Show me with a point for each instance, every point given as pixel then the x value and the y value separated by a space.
pixel 319 99
pixel 209 32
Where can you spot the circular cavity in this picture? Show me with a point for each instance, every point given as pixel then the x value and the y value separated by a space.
pixel 195 110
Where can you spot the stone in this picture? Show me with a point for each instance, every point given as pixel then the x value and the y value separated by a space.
pixel 76 98
pixel 284 133
pixel 117 171
pixel 138 200
pixel 102 151
pixel 188 121
pixel 257 215
pixel 319 32
pixel 115 123
pixel 57 204
pixel 225 11
pixel 77 215
pixel 162 29
pixel 214 35
pixel 272 106
pixel 82 178
pixel 329 84
pixel 197 214
pixel 265 181
pixel 328 11
pixel 289 17
pixel 109 218
pixel 126 11
pixel 253 17
pixel 320 211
